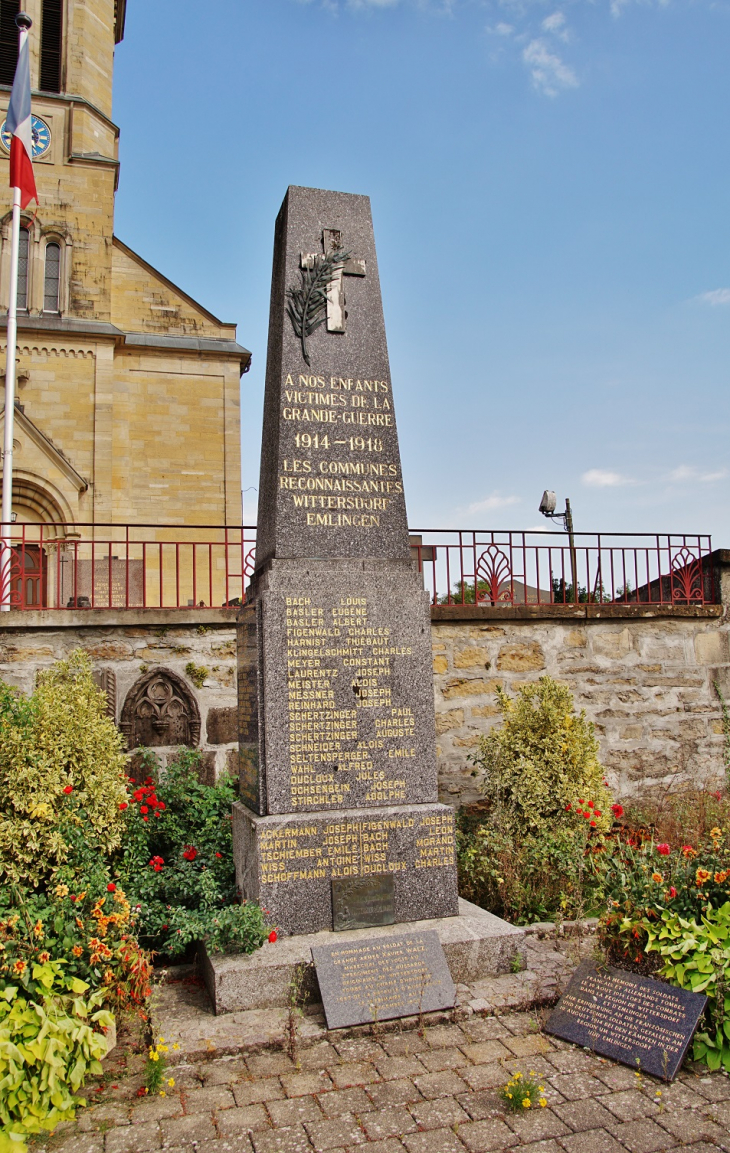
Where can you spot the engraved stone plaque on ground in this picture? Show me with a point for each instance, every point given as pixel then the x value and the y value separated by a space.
pixel 363 902
pixel 380 978
pixel 639 1021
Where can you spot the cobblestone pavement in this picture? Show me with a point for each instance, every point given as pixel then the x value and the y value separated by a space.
pixel 400 1092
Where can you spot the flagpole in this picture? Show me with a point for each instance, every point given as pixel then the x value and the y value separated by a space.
pixel 6 526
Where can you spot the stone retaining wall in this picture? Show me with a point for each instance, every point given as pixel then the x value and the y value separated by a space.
pixel 645 681
pixel 644 676
pixel 196 646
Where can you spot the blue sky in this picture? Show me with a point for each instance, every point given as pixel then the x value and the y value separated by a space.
pixel 551 195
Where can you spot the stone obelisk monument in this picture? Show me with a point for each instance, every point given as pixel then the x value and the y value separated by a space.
pixel 338 766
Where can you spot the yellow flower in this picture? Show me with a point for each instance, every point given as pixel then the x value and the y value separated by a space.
pixel 160 1040
pixel 38 929
pixel 526 1102
pixel 543 1102
pixel 720 877
pixel 176 1046
pixel 61 890
pixel 163 1093
pixel 154 1055
pixel 77 950
pixel 715 832
pixel 658 878
pixel 171 1082
pixel 701 876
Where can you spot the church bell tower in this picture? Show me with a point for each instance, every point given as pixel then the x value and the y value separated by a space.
pixel 128 389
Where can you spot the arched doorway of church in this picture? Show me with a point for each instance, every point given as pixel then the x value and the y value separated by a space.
pixel 39 527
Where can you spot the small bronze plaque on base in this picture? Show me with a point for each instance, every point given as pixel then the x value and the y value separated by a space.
pixel 363 902
pixel 638 1021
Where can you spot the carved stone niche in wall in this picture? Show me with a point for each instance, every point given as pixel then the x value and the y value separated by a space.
pixel 160 710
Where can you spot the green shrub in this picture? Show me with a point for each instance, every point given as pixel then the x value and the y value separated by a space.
pixel 523 879
pixel 697 957
pixel 50 1040
pixel 61 774
pixel 539 769
pixel 177 864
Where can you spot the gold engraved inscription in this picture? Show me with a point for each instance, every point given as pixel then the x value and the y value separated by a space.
pixel 338 419
pixel 335 648
pixel 356 848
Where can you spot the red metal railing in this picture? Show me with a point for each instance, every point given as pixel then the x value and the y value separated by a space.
pixel 64 566
pixel 516 568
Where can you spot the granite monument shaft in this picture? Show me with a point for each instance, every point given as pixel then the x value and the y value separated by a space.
pixel 337 741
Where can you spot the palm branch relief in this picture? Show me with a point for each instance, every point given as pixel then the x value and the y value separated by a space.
pixel 307 302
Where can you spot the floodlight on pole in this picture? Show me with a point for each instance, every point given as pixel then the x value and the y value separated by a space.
pixel 548 504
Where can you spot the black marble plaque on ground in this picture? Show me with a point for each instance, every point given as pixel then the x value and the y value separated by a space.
pixel 638 1021
pixel 363 902
pixel 380 978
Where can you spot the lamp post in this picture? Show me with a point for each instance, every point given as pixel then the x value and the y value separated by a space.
pixel 547 508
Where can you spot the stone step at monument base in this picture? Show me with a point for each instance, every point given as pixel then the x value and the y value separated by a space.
pixel 476 943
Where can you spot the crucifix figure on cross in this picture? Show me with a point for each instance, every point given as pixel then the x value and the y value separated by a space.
pixel 353 266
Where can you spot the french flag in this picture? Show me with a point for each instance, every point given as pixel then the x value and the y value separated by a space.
pixel 19 125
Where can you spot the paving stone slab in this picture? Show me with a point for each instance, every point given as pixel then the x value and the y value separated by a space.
pixel 447 1084
pixel 249 1118
pixel 436 1141
pixel 293 1139
pixel 536 1125
pixel 341 1101
pixel 487 1136
pixel 592 1141
pixel 643 1136
pixel 390 1122
pixel 435 1114
pixel 186 1130
pixel 329 1134
pixel 135 1138
pixel 388 1093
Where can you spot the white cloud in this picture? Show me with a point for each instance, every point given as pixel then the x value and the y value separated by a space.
pixel 503 29
pixel 689 473
pixel 715 297
pixel 604 478
pixel 549 73
pixel 556 25
pixel 491 502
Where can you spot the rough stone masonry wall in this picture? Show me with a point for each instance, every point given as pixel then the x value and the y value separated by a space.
pixel 644 676
pixel 645 681
pixel 143 641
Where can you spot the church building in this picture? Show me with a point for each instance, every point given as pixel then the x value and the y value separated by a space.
pixel 128 389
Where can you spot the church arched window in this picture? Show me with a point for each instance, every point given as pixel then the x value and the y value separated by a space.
pixel 52 278
pixel 9 9
pixel 23 268
pixel 51 45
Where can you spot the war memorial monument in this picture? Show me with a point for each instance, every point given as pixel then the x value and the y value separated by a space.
pixel 338 832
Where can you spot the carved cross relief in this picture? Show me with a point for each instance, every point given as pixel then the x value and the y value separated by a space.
pixel 336 299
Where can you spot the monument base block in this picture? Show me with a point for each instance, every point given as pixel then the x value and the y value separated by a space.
pixel 476 943
pixel 288 862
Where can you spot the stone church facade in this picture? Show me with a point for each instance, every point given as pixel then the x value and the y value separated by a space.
pixel 128 389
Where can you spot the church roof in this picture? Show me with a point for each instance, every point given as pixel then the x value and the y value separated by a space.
pixel 120 13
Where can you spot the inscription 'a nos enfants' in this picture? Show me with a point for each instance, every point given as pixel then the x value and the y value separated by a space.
pixel 307 399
